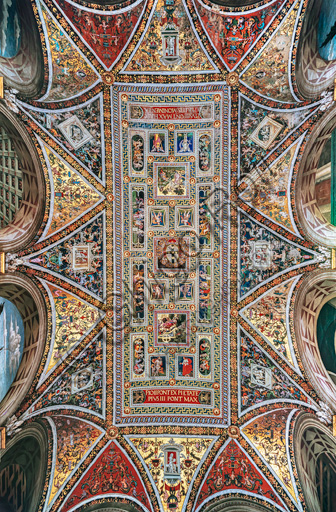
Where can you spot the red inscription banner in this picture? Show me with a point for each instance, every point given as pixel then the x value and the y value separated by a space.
pixel 170 112
pixel 171 396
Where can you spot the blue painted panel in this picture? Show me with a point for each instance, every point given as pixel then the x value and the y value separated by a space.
pixel 11 344
pixel 10 29
pixel 326 33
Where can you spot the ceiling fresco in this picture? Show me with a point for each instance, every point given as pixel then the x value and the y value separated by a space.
pixel 171 256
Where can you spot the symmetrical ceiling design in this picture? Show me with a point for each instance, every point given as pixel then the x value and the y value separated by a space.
pixel 171 253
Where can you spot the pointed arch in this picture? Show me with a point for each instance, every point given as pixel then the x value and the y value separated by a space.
pixel 27 298
pixel 111 505
pixel 311 217
pixel 235 504
pixel 23 227
pixel 312 442
pixel 22 68
pixel 313 73
pixel 237 4
pixel 23 469
pixel 316 290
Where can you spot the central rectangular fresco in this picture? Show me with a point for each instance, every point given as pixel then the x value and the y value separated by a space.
pixel 171 248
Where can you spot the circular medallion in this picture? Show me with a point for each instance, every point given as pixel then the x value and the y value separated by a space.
pixel 233 431
pixel 108 78
pixel 232 79
pixel 112 432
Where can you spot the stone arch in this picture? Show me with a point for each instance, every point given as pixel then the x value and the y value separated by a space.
pixel 235 504
pixel 18 233
pixel 110 505
pixel 105 4
pixel 24 294
pixel 21 488
pixel 315 291
pixel 313 74
pixel 237 4
pixel 318 229
pixel 312 440
pixel 24 71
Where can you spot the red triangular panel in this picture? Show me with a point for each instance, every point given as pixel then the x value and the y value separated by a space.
pixel 112 472
pixel 233 470
pixel 233 35
pixel 108 34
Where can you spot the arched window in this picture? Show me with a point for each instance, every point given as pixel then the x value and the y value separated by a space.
pixel 314 450
pixel 105 4
pixel 325 180
pixel 23 469
pixel 232 503
pixel 12 343
pixel 315 330
pixel 326 336
pixel 326 30
pixel 22 188
pixel 314 66
pixel 326 481
pixel 111 505
pixel 21 59
pixel 237 3
pixel 315 192
pixel 23 316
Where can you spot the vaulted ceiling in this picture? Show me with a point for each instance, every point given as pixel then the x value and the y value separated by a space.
pixel 169 256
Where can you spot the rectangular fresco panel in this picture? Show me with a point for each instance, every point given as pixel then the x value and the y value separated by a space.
pixel 173 255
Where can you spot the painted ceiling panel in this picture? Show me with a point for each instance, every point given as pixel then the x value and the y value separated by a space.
pixel 171 255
